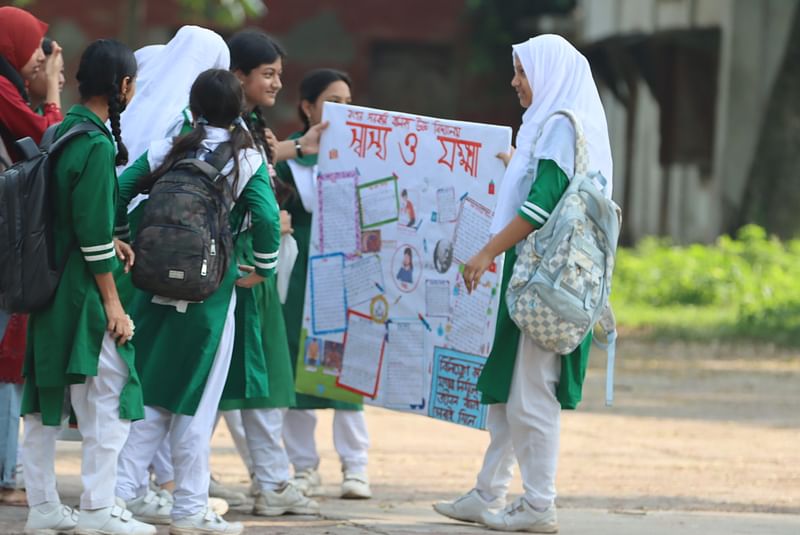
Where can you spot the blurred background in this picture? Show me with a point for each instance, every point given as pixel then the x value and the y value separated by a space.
pixel 701 97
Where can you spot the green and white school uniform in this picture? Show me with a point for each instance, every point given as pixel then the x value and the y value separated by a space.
pixel 186 353
pixel 495 381
pixel 67 341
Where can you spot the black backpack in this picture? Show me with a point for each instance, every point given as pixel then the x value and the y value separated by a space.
pixel 29 274
pixel 184 243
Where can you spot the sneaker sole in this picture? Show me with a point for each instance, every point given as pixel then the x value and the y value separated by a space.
pixel 48 531
pixel 158 520
pixel 352 495
pixel 280 511
pixel 453 516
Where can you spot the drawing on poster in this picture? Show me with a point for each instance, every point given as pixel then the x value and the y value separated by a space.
pixel 378 202
pixel 313 353
pixel 446 204
pixel 332 355
pixel 371 241
pixel 405 378
pixel 471 314
pixel 443 255
pixel 328 294
pixel 472 230
pixel 454 393
pixel 364 344
pixel 407 268
pixel 339 230
pixel 363 279
pixel 409 219
pixel 437 297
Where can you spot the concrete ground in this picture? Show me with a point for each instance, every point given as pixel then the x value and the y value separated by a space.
pixel 702 440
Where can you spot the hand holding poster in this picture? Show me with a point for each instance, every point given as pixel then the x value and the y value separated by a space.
pixel 403 202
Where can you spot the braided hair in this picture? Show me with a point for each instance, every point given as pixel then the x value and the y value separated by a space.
pixel 249 49
pixel 104 66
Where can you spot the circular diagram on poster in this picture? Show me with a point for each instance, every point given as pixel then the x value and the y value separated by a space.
pixel 443 255
pixel 406 268
pixel 379 309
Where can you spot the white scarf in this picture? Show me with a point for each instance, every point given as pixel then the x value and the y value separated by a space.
pixel 560 78
pixel 166 74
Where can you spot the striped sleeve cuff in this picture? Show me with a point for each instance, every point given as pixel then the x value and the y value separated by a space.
pixel 123 233
pixel 265 263
pixel 533 214
pixel 99 258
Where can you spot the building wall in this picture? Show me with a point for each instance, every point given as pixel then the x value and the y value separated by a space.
pixel 753 41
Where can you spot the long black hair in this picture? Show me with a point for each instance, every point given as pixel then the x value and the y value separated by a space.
pixel 104 66
pixel 249 49
pixel 314 84
pixel 216 99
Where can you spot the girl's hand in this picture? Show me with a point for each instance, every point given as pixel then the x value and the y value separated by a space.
pixel 124 253
pixel 475 268
pixel 119 324
pixel 506 156
pixel 54 63
pixel 250 280
pixel 286 223
pixel 272 142
pixel 309 143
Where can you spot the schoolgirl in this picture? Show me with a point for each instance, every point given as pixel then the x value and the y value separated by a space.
pixel 80 340
pixel 297 195
pixel 525 385
pixel 257 61
pixel 185 349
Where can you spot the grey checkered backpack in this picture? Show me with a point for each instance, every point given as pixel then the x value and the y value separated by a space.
pixel 561 281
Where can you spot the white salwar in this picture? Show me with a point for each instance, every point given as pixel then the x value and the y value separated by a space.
pixel 350 438
pixel 96 406
pixel 189 437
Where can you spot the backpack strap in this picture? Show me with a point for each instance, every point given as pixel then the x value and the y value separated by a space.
pixel 608 323
pixel 581 148
pixel 81 128
pixel 214 163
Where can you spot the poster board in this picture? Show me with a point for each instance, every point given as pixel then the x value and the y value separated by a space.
pixel 403 201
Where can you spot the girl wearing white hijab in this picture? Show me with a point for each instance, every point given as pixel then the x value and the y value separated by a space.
pixel 526 386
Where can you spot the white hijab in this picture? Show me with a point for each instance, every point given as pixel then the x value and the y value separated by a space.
pixel 166 74
pixel 560 78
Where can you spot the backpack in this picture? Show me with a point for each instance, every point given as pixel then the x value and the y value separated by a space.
pixel 184 243
pixel 561 281
pixel 29 273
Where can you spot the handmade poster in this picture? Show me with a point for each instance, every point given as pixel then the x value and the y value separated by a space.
pixel 402 202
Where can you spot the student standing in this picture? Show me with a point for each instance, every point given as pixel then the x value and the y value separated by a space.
pixel 525 385
pixel 80 340
pixel 298 191
pixel 257 61
pixel 186 348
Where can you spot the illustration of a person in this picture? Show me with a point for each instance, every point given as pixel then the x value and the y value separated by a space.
pixel 406 272
pixel 313 353
pixel 407 216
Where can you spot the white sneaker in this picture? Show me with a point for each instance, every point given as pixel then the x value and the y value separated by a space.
pixel 112 520
pixel 355 486
pixel 520 516
pixel 167 495
pixel 205 522
pixel 151 508
pixel 50 519
pixel 288 500
pixel 233 497
pixel 218 505
pixel 470 507
pixel 308 481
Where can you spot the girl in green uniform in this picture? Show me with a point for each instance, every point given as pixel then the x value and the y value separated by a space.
pixel 257 61
pixel 80 340
pixel 298 184
pixel 527 386
pixel 185 350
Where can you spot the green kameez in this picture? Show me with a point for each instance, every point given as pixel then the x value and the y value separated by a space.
pixel 495 380
pixel 64 339
pixel 295 300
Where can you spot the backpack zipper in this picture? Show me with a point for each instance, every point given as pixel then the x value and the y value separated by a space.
pixel 204 268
